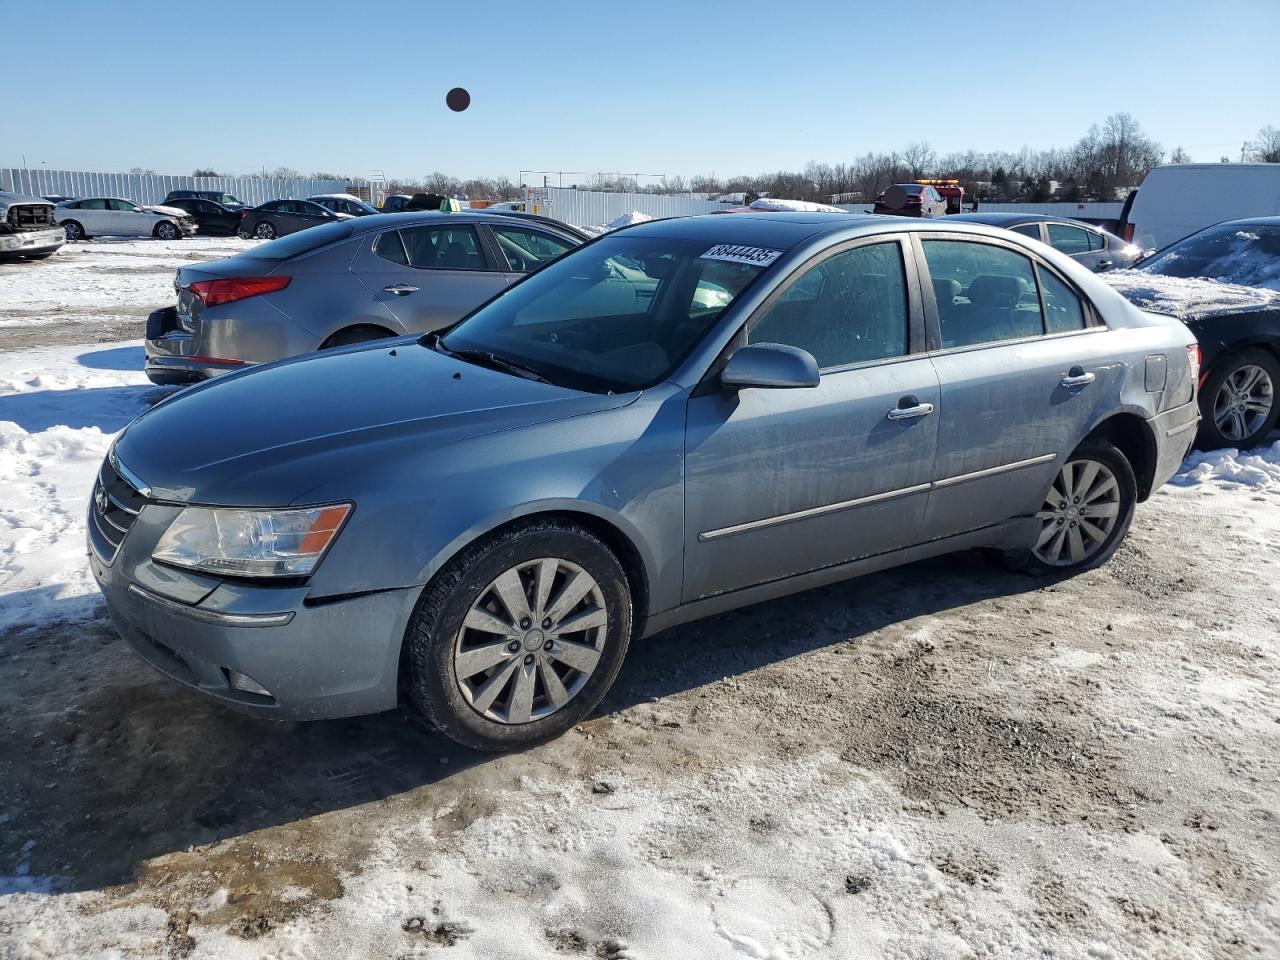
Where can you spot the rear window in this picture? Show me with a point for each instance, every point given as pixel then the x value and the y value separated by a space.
pixel 304 241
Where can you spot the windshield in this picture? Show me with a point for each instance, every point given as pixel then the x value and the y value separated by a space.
pixel 304 241
pixel 1247 254
pixel 617 315
pixel 227 199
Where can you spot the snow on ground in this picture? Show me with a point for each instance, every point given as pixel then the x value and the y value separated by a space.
pixel 1187 296
pixel 83 282
pixel 59 409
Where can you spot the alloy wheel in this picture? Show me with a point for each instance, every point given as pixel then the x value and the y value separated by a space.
pixel 1080 511
pixel 530 641
pixel 167 231
pixel 73 231
pixel 264 231
pixel 1243 402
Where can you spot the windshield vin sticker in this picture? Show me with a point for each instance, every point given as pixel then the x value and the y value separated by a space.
pixel 755 256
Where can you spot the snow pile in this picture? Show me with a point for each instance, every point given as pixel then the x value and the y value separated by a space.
pixel 1259 468
pixel 59 409
pixel 775 204
pixel 1188 296
pixel 627 219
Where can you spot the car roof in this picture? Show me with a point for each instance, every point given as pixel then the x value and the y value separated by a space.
pixel 786 230
pixel 1000 219
pixel 1250 222
pixel 379 221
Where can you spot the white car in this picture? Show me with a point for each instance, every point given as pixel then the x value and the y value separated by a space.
pixel 114 217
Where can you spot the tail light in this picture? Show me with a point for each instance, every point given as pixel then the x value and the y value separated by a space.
pixel 244 213
pixel 214 292
pixel 1195 359
pixel 1128 232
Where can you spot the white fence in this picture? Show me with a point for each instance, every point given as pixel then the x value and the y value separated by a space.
pixel 590 208
pixel 150 188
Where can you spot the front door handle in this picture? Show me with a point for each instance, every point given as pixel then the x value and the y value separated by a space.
pixel 1076 377
pixel 400 289
pixel 1104 264
pixel 909 408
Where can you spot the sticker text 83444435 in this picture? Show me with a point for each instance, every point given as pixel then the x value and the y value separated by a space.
pixel 732 252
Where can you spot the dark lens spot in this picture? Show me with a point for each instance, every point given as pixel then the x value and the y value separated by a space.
pixel 458 99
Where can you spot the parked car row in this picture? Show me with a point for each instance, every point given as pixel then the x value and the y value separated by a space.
pixel 502 504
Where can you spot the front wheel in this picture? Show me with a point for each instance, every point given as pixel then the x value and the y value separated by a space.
pixel 166 231
pixel 1086 512
pixel 1238 403
pixel 520 636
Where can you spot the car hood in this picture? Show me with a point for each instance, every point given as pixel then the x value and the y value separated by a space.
pixel 9 199
pixel 266 435
pixel 1189 297
pixel 167 211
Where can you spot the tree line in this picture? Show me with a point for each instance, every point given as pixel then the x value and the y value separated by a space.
pixel 1108 160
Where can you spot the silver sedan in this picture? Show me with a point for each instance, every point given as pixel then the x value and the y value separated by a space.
pixel 341 283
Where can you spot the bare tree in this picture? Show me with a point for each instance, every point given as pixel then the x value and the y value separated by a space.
pixel 919 158
pixel 1265 148
pixel 1179 156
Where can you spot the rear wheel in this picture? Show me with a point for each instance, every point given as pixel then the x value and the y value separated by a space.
pixel 1086 512
pixel 73 230
pixel 520 636
pixel 1238 403
pixel 166 231
pixel 264 231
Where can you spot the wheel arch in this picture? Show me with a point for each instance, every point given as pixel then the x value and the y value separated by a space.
pixel 381 329
pixel 1134 437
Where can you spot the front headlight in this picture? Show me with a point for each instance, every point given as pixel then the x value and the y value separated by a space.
pixel 251 543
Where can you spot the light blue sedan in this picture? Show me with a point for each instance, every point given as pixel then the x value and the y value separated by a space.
pixel 673 420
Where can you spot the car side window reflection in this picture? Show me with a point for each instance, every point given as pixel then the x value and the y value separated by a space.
pixel 388 247
pixel 850 308
pixel 984 293
pixel 1031 230
pixel 1063 310
pixel 1070 240
pixel 444 248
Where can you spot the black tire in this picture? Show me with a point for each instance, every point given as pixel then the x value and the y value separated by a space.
pixel 1028 561
pixel 434 687
pixel 166 231
pixel 40 256
pixel 74 231
pixel 264 230
pixel 358 334
pixel 1210 436
pixel 244 234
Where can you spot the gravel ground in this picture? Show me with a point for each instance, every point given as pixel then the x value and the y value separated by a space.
pixel 943 761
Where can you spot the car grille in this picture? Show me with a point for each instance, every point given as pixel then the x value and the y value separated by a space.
pixel 28 216
pixel 116 505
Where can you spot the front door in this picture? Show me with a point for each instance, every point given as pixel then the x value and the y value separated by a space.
pixel 1021 368
pixel 781 482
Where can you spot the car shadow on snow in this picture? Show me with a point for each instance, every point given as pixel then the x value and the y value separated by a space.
pixel 113 358
pixel 108 408
pixel 105 764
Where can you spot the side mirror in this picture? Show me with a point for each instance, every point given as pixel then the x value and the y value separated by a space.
pixel 770 366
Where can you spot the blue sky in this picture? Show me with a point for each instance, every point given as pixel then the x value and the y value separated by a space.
pixel 654 87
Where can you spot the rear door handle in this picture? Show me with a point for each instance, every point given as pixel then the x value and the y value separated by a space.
pixel 1076 377
pixel 909 408
pixel 400 289
pixel 1104 264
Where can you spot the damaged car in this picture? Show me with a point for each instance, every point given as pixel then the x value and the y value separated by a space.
pixel 116 217
pixel 28 230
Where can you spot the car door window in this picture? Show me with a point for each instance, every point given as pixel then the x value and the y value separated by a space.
pixel 984 293
pixel 389 247
pixel 93 205
pixel 1096 241
pixel 123 206
pixel 444 248
pixel 1063 311
pixel 1069 240
pixel 527 250
pixel 1031 230
pixel 850 308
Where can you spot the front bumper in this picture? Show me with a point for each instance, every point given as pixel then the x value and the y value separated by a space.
pixel 32 241
pixel 1174 432
pixel 307 659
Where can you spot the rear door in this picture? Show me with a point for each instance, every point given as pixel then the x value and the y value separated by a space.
pixel 93 216
pixel 1022 361
pixel 782 482
pixel 431 275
